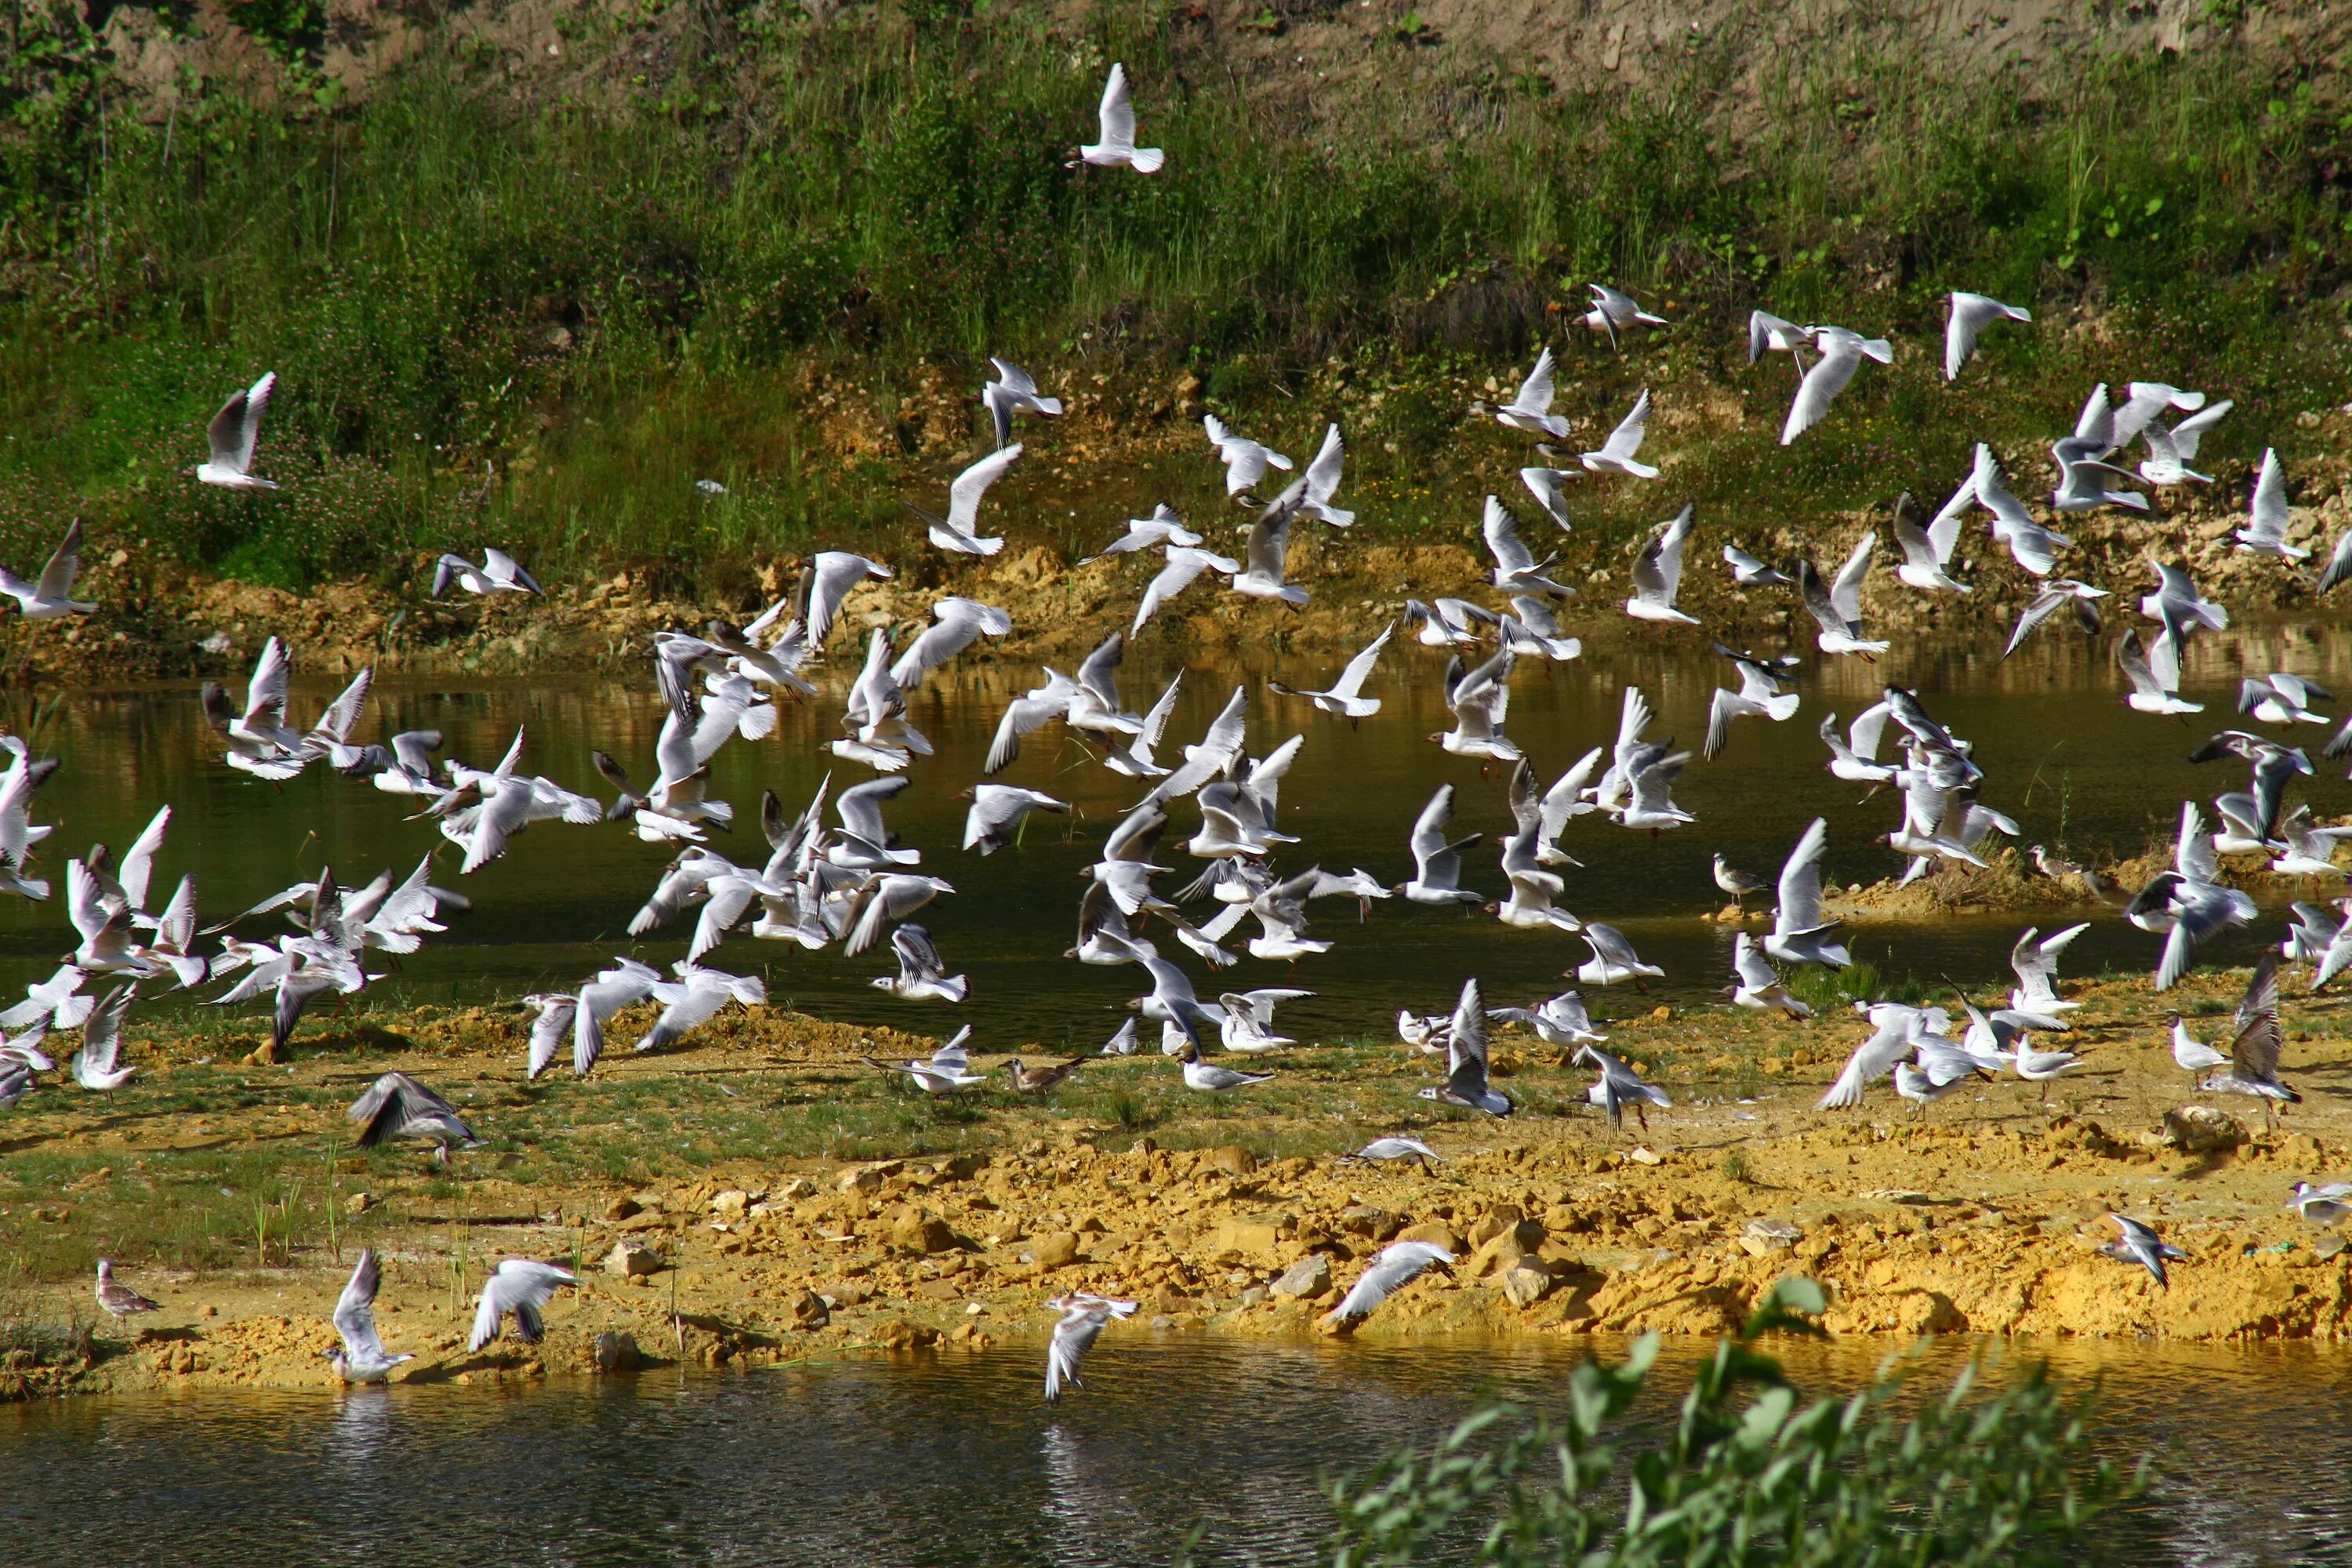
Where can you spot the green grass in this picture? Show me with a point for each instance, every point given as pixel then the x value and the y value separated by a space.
pixel 607 294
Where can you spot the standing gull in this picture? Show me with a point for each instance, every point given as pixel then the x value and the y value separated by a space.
pixel 116 1300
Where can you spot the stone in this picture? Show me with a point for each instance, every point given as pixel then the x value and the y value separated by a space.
pixel 632 1257
pixel 1252 1297
pixel 617 1351
pixel 1230 1158
pixel 359 1203
pixel 1431 1230
pixel 916 1231
pixel 2202 1129
pixel 731 1203
pixel 798 1187
pixel 623 1208
pixel 1306 1280
pixel 810 1311
pixel 899 1334
pixel 1525 1282
pixel 1363 1219
pixel 1641 1156
pixel 1257 1238
pixel 1058 1250
pixel 2328 1246
pixel 1759 1237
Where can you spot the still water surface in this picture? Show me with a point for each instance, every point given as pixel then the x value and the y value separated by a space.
pixel 886 1464
pixel 2063 756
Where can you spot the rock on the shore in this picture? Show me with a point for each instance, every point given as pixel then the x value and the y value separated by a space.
pixel 1527 1281
pixel 2202 1129
pixel 633 1256
pixel 616 1351
pixel 1058 1250
pixel 916 1231
pixel 1306 1280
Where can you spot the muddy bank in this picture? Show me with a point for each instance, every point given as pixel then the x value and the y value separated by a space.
pixel 1231 1213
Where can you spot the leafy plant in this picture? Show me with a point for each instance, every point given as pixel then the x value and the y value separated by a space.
pixel 1747 1476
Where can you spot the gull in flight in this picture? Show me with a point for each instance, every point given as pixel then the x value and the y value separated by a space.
pixel 1616 454
pixel 359 1356
pixel 956 624
pixel 1449 623
pixel 94 1065
pixel 1184 566
pixel 1613 959
pixel 397 1106
pixel 1517 570
pixel 1248 1024
pixel 2147 400
pixel 2034 962
pixel 1399 1264
pixel 1436 861
pixel 2139 1244
pixel 2283 698
pixel 2254 1052
pixel 1799 934
pixel 1269 541
pixel 1561 1020
pixel 522 1287
pixel 2188 904
pixel 947 1071
pixel 1345 698
pixel 1532 631
pixel 1841 353
pixel 1971 314
pixel 233 434
pixel 119 1301
pixel 1531 410
pixel 1767 333
pixel 1760 692
pixel 2266 529
pixel 2083 473
pixel 1751 573
pixel 2154 672
pixel 498 574
pixel 2310 849
pixel 2059 593
pixel 1756 984
pixel 1533 889
pixel 921 976
pixel 1927 552
pixel 998 812
pixel 2034 547
pixel 1613 310
pixel 1465 1059
pixel 1549 486
pixel 1618 1087
pixel 1245 460
pixel 2330 1204
pixel 1163 527
pixel 1479 699
pixel 957 533
pixel 1117 146
pixel 1894 1028
pixel 52 596
pixel 1658 573
pixel 1084 1318
pixel 1014 391
pixel 1320 482
pixel 1837 606
pixel 831 575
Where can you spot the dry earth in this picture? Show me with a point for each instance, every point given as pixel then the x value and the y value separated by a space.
pixel 1234 1213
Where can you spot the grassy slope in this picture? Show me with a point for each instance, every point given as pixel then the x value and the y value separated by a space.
pixel 532 314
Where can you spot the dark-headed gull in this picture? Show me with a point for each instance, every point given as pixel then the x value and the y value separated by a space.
pixel 1479 699
pixel 1613 959
pixel 1320 482
pixel 1245 460
pixel 2034 962
pixel 52 596
pixel 1842 353
pixel 1465 1059
pixel 1616 454
pixel 1836 607
pixel 397 1106
pixel 233 434
pixel 921 976
pixel 1163 527
pixel 1531 409
pixel 1084 1318
pixel 956 623
pixel 1768 333
pixel 1613 310
pixel 1618 1087
pixel 2139 1244
pixel 1926 551
pixel 1345 697
pixel 2283 698
pixel 957 532
pixel 2154 672
pixel 95 1064
pixel 998 811
pixel 1561 1020
pixel 498 574
pixel 1399 1264
pixel 2059 593
pixel 1184 564
pixel 1437 861
pixel 1971 314
pixel 2266 529
pixel 1517 570
pixel 2254 1052
pixel 1760 692
pixel 1209 1077
pixel 946 1071
pixel 1014 391
pixel 522 1287
pixel 359 1356
pixel 1115 118
pixel 1658 573
pixel 1756 984
pixel 1751 573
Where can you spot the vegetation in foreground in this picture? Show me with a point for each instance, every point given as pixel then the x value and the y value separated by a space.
pixel 532 309
pixel 2005 1477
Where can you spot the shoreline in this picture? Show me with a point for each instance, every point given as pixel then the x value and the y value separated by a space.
pixel 1214 1216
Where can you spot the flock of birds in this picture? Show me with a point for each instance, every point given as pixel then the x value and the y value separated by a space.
pixel 851 881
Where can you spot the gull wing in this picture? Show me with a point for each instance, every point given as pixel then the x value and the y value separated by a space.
pixel 1801 880
pixel 356 1311
pixel 58 576
pixel 964 495
pixel 1503 542
pixel 1535 391
pixel 1118 113
pixel 1845 593
pixel 1840 358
